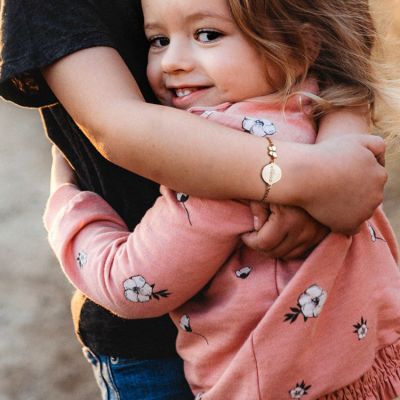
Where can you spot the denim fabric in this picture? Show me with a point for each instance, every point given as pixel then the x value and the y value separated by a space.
pixel 129 379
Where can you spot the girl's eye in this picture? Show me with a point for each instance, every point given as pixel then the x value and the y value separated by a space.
pixel 207 35
pixel 159 41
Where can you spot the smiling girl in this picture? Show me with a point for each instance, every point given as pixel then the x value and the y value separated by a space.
pixel 250 327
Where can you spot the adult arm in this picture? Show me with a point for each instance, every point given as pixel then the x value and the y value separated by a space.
pixel 195 156
pixel 167 259
pixel 291 232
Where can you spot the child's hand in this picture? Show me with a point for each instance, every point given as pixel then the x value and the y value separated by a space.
pixel 61 171
pixel 284 232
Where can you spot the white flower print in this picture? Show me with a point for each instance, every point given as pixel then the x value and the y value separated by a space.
pixel 372 232
pixel 299 390
pixel 361 329
pixel 243 273
pixel 184 323
pixel 138 290
pixel 199 396
pixel 312 301
pixel 207 113
pixel 183 198
pixel 258 127
pixel 82 259
pixel 309 304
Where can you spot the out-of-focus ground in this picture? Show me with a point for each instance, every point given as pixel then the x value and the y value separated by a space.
pixel 40 358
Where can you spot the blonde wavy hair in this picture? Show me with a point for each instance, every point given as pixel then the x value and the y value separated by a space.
pixel 334 40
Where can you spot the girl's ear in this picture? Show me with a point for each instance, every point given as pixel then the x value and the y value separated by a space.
pixel 312 42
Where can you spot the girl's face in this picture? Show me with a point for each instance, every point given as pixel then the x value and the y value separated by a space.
pixel 198 56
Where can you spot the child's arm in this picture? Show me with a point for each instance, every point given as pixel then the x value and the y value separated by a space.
pixel 168 258
pixel 192 155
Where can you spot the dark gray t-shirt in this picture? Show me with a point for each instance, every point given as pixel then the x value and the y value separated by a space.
pixel 35 34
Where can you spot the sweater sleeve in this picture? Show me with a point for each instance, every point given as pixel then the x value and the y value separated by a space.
pixel 178 246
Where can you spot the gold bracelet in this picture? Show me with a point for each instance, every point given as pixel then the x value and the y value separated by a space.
pixel 271 172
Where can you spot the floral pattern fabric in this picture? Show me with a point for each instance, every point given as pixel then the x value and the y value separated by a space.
pixel 138 290
pixel 309 304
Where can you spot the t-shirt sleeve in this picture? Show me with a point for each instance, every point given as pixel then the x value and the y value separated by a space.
pixel 36 33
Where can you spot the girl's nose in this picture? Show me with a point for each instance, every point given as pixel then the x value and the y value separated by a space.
pixel 177 58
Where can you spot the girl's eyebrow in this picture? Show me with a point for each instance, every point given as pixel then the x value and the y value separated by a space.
pixel 208 14
pixel 195 17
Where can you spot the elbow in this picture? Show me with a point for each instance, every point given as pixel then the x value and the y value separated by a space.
pixel 105 129
pixel 100 137
pixel 139 301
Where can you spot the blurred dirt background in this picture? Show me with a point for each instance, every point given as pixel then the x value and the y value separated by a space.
pixel 40 358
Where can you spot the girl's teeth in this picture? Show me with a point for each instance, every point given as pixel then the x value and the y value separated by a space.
pixel 183 92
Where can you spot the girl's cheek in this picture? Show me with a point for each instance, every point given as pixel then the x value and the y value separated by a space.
pixel 154 76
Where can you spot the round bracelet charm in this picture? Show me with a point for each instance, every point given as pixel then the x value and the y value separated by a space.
pixel 271 173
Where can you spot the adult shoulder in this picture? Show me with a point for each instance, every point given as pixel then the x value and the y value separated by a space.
pixel 37 33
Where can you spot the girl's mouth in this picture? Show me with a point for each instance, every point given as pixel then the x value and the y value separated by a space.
pixel 184 91
pixel 186 97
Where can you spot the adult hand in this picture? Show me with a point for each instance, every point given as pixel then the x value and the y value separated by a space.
pixel 283 231
pixel 348 178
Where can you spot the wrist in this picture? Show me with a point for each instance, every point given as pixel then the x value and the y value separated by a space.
pixel 295 161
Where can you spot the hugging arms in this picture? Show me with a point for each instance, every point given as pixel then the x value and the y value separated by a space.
pixel 179 244
pixel 211 161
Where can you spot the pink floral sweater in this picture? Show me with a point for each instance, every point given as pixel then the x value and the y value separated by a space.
pixel 249 327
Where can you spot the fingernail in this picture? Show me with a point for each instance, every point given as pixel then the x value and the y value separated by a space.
pixel 256 223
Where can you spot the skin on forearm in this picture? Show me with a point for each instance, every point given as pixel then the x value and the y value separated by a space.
pixel 207 160
pixel 196 156
pixel 344 122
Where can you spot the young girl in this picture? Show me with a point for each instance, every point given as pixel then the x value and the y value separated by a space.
pixel 261 328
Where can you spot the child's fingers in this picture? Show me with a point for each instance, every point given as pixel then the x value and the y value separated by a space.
pixel 296 246
pixel 268 237
pixel 260 213
pixel 262 241
pixel 291 247
pixel 289 233
pixel 303 249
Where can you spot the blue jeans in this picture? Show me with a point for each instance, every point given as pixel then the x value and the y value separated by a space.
pixel 129 379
